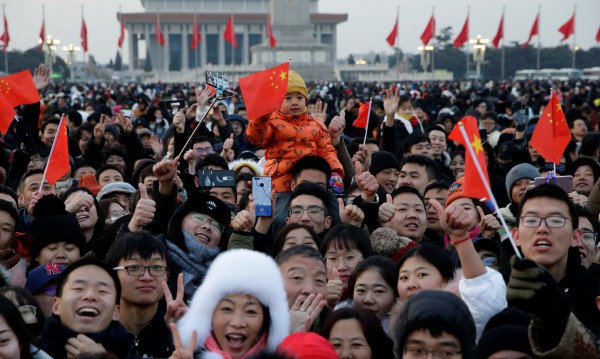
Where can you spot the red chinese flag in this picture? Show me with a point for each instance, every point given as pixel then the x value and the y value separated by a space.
pixel 5 35
pixel 534 31
pixel 272 41
pixel 551 135
pixel 429 31
pixel 196 38
pixel 264 91
pixel 474 186
pixel 463 37
pixel 159 36
pixel 84 42
pixel 7 113
pixel 568 28
pixel 58 164
pixel 122 36
pixel 229 33
pixel 19 89
pixel 500 33
pixel 42 35
pixel 598 35
pixel 391 39
pixel 364 111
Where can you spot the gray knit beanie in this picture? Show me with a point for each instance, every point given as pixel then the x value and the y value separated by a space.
pixel 523 170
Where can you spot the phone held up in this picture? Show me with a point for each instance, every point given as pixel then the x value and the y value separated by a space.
pixel 261 195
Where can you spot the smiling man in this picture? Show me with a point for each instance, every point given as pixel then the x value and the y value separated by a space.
pixel 85 313
pixel 405 213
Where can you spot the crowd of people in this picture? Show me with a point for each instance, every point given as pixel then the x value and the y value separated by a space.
pixel 152 244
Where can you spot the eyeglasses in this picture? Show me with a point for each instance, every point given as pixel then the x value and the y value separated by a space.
pixel 138 270
pixel 312 211
pixel 350 260
pixel 28 313
pixel 36 160
pixel 422 353
pixel 50 291
pixel 589 237
pixel 551 222
pixel 207 150
pixel 202 219
pixel 428 204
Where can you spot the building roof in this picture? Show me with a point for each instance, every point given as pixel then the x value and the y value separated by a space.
pixel 219 18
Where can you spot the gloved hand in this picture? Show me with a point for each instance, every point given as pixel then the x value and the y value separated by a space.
pixel 520 115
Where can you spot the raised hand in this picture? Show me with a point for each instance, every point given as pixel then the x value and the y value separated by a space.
pixel 41 77
pixel 488 224
pixel 336 127
pixel 100 128
pixel 350 214
pixel 366 182
pixel 387 210
pixel 455 220
pixel 179 121
pixel 82 344
pixel 182 352
pixel 318 110
pixel 157 146
pixel 244 220
pixel 166 170
pixel 80 199
pixel 335 288
pixel 363 157
pixel 144 211
pixel 176 307
pixel 390 104
pixel 227 152
pixel 203 97
pixel 125 122
pixel 305 311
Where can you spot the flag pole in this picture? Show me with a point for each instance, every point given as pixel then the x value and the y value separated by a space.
pixel 82 21
pixel 5 44
pixel 467 48
pixel 368 118
pixel 488 189
pixel 398 42
pixel 212 104
pixel 233 42
pixel 538 39
pixel 502 54
pixel 63 118
pixel 574 34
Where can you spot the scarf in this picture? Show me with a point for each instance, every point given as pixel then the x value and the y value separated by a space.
pixel 212 346
pixel 194 263
pixel 54 336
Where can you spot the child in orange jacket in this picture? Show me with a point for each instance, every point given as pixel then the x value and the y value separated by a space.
pixel 290 134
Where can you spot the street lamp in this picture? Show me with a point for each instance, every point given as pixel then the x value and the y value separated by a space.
pixel 479 45
pixel 71 49
pixel 426 56
pixel 50 45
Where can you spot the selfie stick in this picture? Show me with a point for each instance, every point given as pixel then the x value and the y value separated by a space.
pixel 488 189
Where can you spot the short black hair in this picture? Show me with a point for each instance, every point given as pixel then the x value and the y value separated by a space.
pixel 386 268
pixel 9 191
pixel 143 243
pixel 437 185
pixel 590 144
pixel 434 255
pixel 302 250
pixel 431 167
pixel 343 234
pixel 88 261
pixel 310 189
pixel 27 175
pixel 212 160
pixel 551 191
pixel 407 189
pixel 51 120
pixel 8 207
pixel 86 126
pixel 105 168
pixel 203 138
pixel 490 115
pixel 311 163
pixel 279 240
pixel 75 117
pixel 414 139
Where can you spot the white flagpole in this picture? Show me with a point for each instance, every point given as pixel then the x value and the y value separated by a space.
pixel 488 188
pixel 368 118
pixel 63 118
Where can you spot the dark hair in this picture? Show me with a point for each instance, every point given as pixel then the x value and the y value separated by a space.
pixel 491 115
pixel 279 240
pixel 550 191
pixel 436 256
pixel 590 144
pixel 317 163
pixel 11 192
pixel 202 138
pixel 302 251
pixel 310 189
pixel 106 168
pixel 430 166
pixel 88 261
pixel 6 206
pixel 24 297
pixel 386 268
pixel 457 153
pixel 406 98
pixel 50 120
pixel 407 189
pixel 436 185
pixel 86 126
pixel 13 318
pixel 414 139
pixel 99 226
pixel 212 160
pixel 381 345
pixel 346 236
pixel 436 128
pixel 143 243
pixel 75 117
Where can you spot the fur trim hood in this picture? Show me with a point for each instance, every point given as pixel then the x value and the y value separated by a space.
pixel 238 271
pixel 253 165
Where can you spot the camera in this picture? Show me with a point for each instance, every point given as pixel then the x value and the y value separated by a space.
pixel 174 105
pixel 216 178
pixel 217 81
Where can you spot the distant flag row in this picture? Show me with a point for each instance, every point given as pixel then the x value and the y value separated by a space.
pixel 567 29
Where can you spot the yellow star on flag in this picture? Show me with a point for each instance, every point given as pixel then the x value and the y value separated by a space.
pixel 283 75
pixel 476 143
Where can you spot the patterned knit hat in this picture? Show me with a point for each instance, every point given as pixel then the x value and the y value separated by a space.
pixel 296 84
pixel 456 191
pixel 89 181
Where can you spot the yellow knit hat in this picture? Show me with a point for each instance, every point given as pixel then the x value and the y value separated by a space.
pixel 296 84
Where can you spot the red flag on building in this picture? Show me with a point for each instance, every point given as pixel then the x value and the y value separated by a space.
pixel 568 28
pixel 264 91
pixel 159 36
pixel 42 35
pixel 362 120
pixel 84 42
pixel 196 37
pixel 58 163
pixel 473 182
pixel 7 113
pixel 429 31
pixel 551 134
pixel 534 31
pixel 229 33
pixel 598 35
pixel 122 36
pixel 463 37
pixel 272 41
pixel 391 39
pixel 5 38
pixel 500 33
pixel 19 89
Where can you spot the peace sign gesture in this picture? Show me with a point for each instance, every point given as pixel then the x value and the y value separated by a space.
pixel 176 307
pixel 182 352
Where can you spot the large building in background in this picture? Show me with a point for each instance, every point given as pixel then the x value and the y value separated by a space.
pixel 303 34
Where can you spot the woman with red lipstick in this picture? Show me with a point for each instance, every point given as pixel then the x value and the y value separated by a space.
pixel 240 308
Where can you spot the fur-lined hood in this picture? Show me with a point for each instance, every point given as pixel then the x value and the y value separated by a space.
pixel 253 165
pixel 238 271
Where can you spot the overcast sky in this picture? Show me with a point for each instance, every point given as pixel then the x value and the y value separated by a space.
pixel 369 21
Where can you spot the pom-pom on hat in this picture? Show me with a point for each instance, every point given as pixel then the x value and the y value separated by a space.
pixel 296 84
pixel 306 345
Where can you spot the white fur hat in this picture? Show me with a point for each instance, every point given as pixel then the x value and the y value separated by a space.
pixel 238 271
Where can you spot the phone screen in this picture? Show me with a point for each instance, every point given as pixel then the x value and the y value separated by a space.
pixel 261 195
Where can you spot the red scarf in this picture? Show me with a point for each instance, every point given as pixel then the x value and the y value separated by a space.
pixel 212 346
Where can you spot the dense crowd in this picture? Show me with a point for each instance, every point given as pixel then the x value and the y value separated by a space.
pixel 185 229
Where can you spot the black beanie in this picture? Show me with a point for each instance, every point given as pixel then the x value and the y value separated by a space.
pixel 507 330
pixel 382 160
pixel 11 210
pixel 53 224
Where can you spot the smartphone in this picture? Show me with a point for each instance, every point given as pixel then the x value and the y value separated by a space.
pixel 126 113
pixel 216 178
pixel 174 104
pixel 564 182
pixel 261 194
